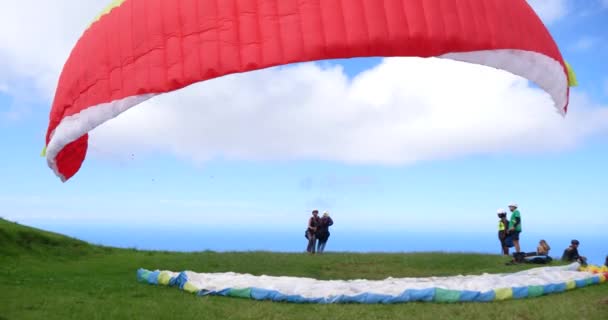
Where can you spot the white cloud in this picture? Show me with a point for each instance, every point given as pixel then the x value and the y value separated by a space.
pixel 403 111
pixel 4 88
pixel 550 11
pixel 37 36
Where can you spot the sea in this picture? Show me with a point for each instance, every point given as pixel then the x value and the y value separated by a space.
pixel 192 238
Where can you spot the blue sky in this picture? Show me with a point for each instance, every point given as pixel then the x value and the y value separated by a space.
pixel 230 172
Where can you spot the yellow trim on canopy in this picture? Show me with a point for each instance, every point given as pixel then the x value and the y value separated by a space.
pixel 572 82
pixel 43 153
pixel 107 9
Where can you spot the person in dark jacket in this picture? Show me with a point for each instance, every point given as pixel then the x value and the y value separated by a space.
pixel 323 231
pixel 571 254
pixel 311 231
pixel 503 227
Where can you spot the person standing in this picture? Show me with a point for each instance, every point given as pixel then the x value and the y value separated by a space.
pixel 311 230
pixel 515 225
pixel 503 226
pixel 323 231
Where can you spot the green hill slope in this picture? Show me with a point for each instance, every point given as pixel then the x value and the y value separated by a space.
pixel 16 239
pixel 44 275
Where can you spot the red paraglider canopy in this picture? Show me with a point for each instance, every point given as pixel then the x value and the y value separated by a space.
pixel 137 49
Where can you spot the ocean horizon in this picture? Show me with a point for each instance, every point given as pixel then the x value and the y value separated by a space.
pixel 195 238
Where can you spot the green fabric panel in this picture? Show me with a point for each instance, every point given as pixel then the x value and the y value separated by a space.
pixel 145 275
pixel 241 293
pixel 444 295
pixel 535 291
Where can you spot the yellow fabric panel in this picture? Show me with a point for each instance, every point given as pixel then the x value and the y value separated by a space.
pixel 503 293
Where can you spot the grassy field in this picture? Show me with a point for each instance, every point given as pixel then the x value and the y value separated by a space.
pixel 49 276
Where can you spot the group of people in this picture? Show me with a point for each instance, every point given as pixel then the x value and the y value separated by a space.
pixel 510 229
pixel 317 231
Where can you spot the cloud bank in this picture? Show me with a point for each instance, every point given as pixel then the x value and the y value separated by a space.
pixel 402 111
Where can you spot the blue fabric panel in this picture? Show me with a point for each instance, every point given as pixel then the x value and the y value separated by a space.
pixel 147 276
pixel 360 298
pixel 335 299
pixel 278 296
pixel 294 298
pixel 581 283
pixel 560 287
pixel 468 295
pixel 486 296
pixel 314 300
pixel 153 277
pixel 520 292
pixel 223 292
pixel 421 294
pixel 263 294
pixel 401 298
pixel 369 298
pixel 340 299
pixel 181 279
pixel 378 298
pixel 203 292
pixel 554 288
pixel 173 281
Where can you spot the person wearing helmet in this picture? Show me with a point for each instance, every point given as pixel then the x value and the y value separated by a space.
pixel 503 226
pixel 515 225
